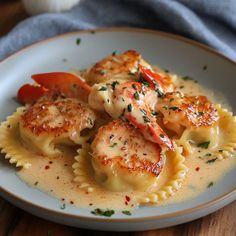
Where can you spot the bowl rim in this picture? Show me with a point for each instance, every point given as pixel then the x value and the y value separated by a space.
pixel 130 219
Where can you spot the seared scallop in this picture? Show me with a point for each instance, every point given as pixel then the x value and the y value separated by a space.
pixel 121 66
pixel 47 124
pixel 123 159
pixel 181 111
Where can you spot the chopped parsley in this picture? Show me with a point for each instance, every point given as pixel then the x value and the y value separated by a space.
pixel 103 88
pixel 200 113
pixel 204 144
pixel 36 183
pixel 128 213
pixel 113 85
pixel 99 212
pixel 49 232
pixel 166 70
pixel 146 119
pixel 131 73
pixel 63 206
pixel 78 41
pixel 208 154
pixel 210 184
pixel 187 78
pixel 154 113
pixel 162 135
pixel 172 99
pixel 113 145
pixel 181 87
pixel 114 53
pixel 136 95
pixel 211 160
pixel 204 67
pixel 92 32
pixel 173 108
pixel 145 83
pixel 220 151
pixel 102 72
pixel 129 108
pixel 160 94
pixel 165 107
pixel 143 111
pixel 134 86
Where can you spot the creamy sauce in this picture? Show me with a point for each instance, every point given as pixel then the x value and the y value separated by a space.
pixel 55 175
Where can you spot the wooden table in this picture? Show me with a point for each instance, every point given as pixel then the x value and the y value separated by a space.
pixel 16 222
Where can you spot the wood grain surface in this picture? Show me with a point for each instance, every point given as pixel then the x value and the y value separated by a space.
pixel 16 222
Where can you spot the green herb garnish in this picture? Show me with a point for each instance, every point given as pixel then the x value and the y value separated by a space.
pixel 172 99
pixel 78 40
pixel 165 107
pixel 173 108
pixel 210 184
pixel 143 111
pixel 102 72
pixel 146 119
pixel 187 78
pixel 204 144
pixel 103 88
pixel 92 32
pixel 106 213
pixel 162 135
pixel 166 70
pixel 136 95
pixel 113 85
pixel 208 154
pixel 160 94
pixel 145 83
pixel 113 145
pixel 128 213
pixel 154 113
pixel 211 160
pixel 129 108
pixel 204 67
pixel 63 206
pixel 49 232
pixel 220 151
pixel 200 113
pixel 114 53
pixel 36 183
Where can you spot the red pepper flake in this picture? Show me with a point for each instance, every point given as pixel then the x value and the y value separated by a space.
pixel 47 167
pixel 126 203
pixel 65 164
pixel 127 198
pixel 58 177
pixel 71 202
pixel 197 168
pixel 50 162
pixel 63 199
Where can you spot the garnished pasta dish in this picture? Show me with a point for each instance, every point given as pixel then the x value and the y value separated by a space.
pixel 119 135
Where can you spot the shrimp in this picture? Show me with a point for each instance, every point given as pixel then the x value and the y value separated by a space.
pixel 181 111
pixel 121 66
pixel 122 159
pixel 160 83
pixel 58 122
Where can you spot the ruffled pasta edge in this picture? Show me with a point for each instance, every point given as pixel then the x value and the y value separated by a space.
pixel 173 184
pixel 10 144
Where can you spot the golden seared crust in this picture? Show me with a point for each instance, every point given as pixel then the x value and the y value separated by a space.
pixel 121 153
pixel 114 67
pixel 57 117
pixel 188 110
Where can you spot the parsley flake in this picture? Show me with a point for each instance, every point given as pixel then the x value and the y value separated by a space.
pixel 162 135
pixel 128 213
pixel 78 41
pixel 129 108
pixel 154 113
pixel 211 160
pixel 63 206
pixel 146 119
pixel 113 85
pixel 136 95
pixel 204 144
pixel 145 83
pixel 114 53
pixel 113 145
pixel 173 108
pixel 210 184
pixel 187 78
pixel 204 67
pixel 103 88
pixel 99 212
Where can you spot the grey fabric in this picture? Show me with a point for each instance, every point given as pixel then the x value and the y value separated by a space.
pixel 212 22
